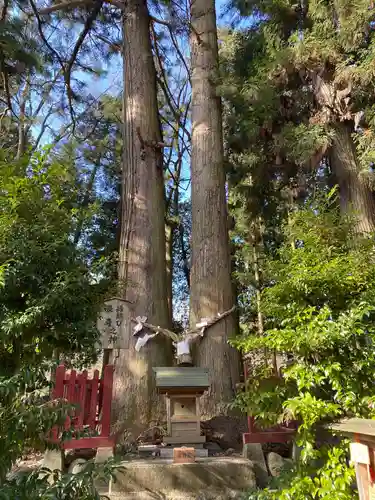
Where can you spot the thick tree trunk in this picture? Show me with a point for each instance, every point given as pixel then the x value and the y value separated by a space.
pixel 356 195
pixel 211 287
pixel 142 264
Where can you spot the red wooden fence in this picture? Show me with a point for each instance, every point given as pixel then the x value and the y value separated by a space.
pixel 276 434
pixel 93 401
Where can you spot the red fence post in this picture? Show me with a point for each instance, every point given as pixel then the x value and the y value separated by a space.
pixel 58 393
pixel 91 421
pixel 71 383
pixel 58 390
pixel 82 384
pixel 107 401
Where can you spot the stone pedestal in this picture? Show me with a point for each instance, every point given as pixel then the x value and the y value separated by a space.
pixel 54 460
pixel 103 454
pixel 215 478
pixel 254 452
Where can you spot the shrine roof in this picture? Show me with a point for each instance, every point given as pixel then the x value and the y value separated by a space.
pixel 355 426
pixel 184 377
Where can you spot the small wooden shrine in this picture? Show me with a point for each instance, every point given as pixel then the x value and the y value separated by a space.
pixel 362 452
pixel 182 387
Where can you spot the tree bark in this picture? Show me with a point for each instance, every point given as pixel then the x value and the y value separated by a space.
pixel 211 287
pixel 142 262
pixel 356 195
pixel 169 264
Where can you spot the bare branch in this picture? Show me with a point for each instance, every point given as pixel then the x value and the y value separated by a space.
pixel 43 101
pixel 64 6
pixel 7 92
pixel 22 118
pixel 76 3
pixel 42 128
pixel 87 27
pixel 115 46
pixel 160 21
pixel 41 33
pixel 180 54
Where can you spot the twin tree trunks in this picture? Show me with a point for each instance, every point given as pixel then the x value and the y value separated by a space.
pixel 142 260
pixel 185 382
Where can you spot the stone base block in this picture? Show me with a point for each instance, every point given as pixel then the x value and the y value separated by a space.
pixel 254 452
pixel 53 460
pixel 148 449
pixel 220 478
pixel 103 454
pixel 176 495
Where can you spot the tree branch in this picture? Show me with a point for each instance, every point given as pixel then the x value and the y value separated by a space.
pixel 42 128
pixel 159 21
pixel 45 41
pixel 76 3
pixel 64 6
pixel 87 27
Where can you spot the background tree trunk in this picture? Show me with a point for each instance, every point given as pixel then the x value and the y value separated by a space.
pixel 169 264
pixel 356 195
pixel 142 261
pixel 211 287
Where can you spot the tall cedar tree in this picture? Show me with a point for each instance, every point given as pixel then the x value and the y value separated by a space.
pixel 211 287
pixel 317 61
pixel 142 266
pixel 142 255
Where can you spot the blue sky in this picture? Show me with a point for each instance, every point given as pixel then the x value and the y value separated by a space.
pixel 113 81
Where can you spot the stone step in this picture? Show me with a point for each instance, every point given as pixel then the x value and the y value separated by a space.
pixel 220 478
pixel 177 495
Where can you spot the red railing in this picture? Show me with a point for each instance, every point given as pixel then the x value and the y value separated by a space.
pixel 92 399
pixel 276 434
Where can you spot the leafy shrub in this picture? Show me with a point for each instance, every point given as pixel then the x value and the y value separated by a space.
pixel 44 485
pixel 42 273
pixel 318 303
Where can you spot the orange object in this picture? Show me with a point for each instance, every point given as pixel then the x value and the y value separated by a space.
pixel 183 455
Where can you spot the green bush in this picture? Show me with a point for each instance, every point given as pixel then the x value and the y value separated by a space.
pixel 319 308
pixel 42 274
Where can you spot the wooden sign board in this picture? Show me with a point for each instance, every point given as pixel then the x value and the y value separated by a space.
pixel 114 324
pixel 359 453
